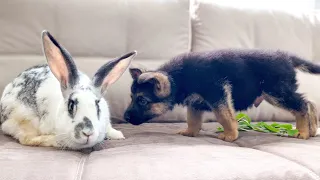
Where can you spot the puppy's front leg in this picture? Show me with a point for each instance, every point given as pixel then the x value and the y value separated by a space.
pixel 194 120
pixel 225 116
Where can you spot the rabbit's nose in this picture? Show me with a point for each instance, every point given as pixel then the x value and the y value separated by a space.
pixel 87 133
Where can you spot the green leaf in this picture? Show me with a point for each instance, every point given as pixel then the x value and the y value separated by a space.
pixel 286 126
pixel 260 124
pixel 282 130
pixel 292 132
pixel 244 124
pixel 220 129
pixel 275 124
pixel 280 134
pixel 270 128
pixel 243 129
pixel 259 129
pixel 243 116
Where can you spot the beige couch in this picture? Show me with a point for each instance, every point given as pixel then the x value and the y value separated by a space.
pixel 96 31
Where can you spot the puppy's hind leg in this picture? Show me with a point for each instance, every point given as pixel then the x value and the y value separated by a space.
pixel 304 111
pixel 313 119
pixel 194 120
pixel 226 117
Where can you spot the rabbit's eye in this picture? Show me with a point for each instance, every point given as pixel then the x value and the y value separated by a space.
pixel 72 107
pixel 98 108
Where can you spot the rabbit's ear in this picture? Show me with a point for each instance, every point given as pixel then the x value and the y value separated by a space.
pixel 60 61
pixel 112 71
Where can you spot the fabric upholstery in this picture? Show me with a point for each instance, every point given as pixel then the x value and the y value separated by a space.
pixel 154 150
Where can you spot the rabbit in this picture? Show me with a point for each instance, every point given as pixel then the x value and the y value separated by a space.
pixel 56 105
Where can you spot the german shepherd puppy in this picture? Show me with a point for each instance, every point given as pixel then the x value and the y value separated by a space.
pixel 223 81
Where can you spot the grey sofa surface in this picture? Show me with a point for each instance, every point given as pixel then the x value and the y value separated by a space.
pixel 155 151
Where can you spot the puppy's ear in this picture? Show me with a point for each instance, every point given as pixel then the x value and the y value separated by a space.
pixel 136 70
pixel 162 86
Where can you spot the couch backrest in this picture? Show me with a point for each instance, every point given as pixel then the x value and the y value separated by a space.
pixel 217 25
pixel 107 28
pixel 158 29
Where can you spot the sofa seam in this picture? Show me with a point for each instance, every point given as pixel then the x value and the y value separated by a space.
pixel 190 33
pixel 80 167
pixel 282 157
pixel 194 19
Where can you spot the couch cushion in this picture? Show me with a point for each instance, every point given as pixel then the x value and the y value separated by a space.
pixel 300 151
pixel 157 29
pixel 155 151
pixel 306 153
pixel 38 164
pixel 205 162
pixel 153 146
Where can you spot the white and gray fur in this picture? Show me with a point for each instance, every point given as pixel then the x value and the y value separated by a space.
pixel 57 105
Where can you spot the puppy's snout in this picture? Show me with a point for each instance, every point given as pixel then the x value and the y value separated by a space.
pixel 127 116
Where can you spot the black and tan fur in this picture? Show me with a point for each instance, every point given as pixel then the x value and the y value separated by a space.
pixel 223 82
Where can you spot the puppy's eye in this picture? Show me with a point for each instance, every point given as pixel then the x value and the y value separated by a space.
pixel 72 107
pixel 142 101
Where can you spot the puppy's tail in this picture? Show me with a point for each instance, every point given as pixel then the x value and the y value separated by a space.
pixel 306 66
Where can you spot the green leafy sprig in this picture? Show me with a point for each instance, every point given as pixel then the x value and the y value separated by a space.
pixel 245 124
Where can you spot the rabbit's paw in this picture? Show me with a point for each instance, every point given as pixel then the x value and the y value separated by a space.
pixel 43 140
pixel 114 134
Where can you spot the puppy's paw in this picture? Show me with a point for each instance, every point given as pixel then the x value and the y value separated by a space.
pixel 313 125
pixel 229 137
pixel 313 131
pixel 302 135
pixel 188 133
pixel 313 120
pixel 114 134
